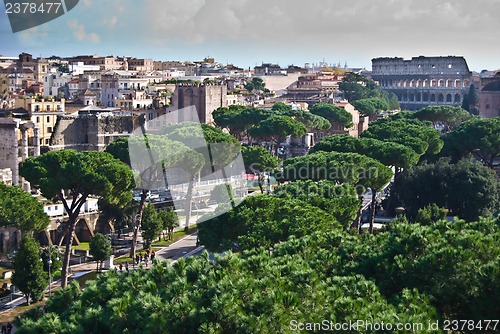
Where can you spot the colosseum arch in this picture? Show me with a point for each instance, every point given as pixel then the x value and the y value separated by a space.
pixel 448 98
pixel 441 83
pixel 411 97
pixel 433 97
pixel 425 97
pixel 425 83
pixel 419 83
pixel 412 83
pixel 466 83
pixel 433 83
pixel 440 97
pixel 457 83
pixel 419 97
pixel 449 83
pixel 457 98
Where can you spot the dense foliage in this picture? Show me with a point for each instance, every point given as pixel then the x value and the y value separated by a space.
pixel 263 221
pixel 100 249
pixel 468 189
pixel 479 137
pixel 409 273
pixel 29 276
pixel 340 201
pixel 21 210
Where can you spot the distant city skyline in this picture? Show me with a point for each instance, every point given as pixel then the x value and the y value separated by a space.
pixel 247 33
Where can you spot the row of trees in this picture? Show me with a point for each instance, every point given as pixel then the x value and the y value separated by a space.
pixel 275 125
pixel 396 276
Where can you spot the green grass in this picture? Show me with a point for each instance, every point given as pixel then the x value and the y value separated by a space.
pixel 176 237
pixel 84 246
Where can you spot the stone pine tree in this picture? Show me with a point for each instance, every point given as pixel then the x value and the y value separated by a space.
pixel 81 174
pixel 29 276
pixel 21 210
pixel 100 249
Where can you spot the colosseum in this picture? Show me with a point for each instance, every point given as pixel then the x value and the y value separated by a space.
pixel 423 81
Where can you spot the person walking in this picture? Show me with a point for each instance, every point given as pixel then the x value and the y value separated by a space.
pixel 121 267
pixel 126 266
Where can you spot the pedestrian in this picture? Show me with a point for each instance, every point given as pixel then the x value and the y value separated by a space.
pixel 147 252
pixel 121 267
pixel 153 255
pixel 137 259
pixel 146 261
pixel 9 328
pixel 126 266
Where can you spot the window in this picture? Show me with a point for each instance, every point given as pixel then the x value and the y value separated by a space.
pixel 48 119
pixel 48 108
pixel 49 129
pixel 47 142
pixel 38 119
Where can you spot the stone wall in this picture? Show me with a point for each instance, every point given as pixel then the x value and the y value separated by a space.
pixel 90 132
pixel 9 155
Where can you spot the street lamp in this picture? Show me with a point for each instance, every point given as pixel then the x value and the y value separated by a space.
pixel 49 262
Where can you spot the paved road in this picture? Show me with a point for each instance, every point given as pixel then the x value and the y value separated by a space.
pixel 178 249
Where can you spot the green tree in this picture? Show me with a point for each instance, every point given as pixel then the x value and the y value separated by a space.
pixel 29 276
pixel 21 210
pixel 356 87
pixel 429 214
pixel 447 117
pixel 258 160
pixel 479 137
pixel 281 107
pixel 100 249
pixel 341 201
pixel 468 189
pixel 336 115
pixel 255 85
pixel 355 169
pixel 151 226
pixel 154 154
pixel 276 128
pixel 410 132
pixel 473 99
pixel 371 106
pixel 263 221
pixel 169 221
pixel 82 174
pixel 212 151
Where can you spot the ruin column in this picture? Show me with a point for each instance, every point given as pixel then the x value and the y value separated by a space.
pixel 24 143
pixel 36 141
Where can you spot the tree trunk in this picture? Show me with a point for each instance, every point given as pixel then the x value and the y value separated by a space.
pixel 137 223
pixel 189 204
pixel 372 209
pixel 357 221
pixel 67 252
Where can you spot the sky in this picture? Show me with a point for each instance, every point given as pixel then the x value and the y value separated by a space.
pixel 249 32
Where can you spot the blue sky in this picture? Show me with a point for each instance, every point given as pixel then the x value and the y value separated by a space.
pixel 247 32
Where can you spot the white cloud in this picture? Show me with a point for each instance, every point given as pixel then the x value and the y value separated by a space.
pixel 80 33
